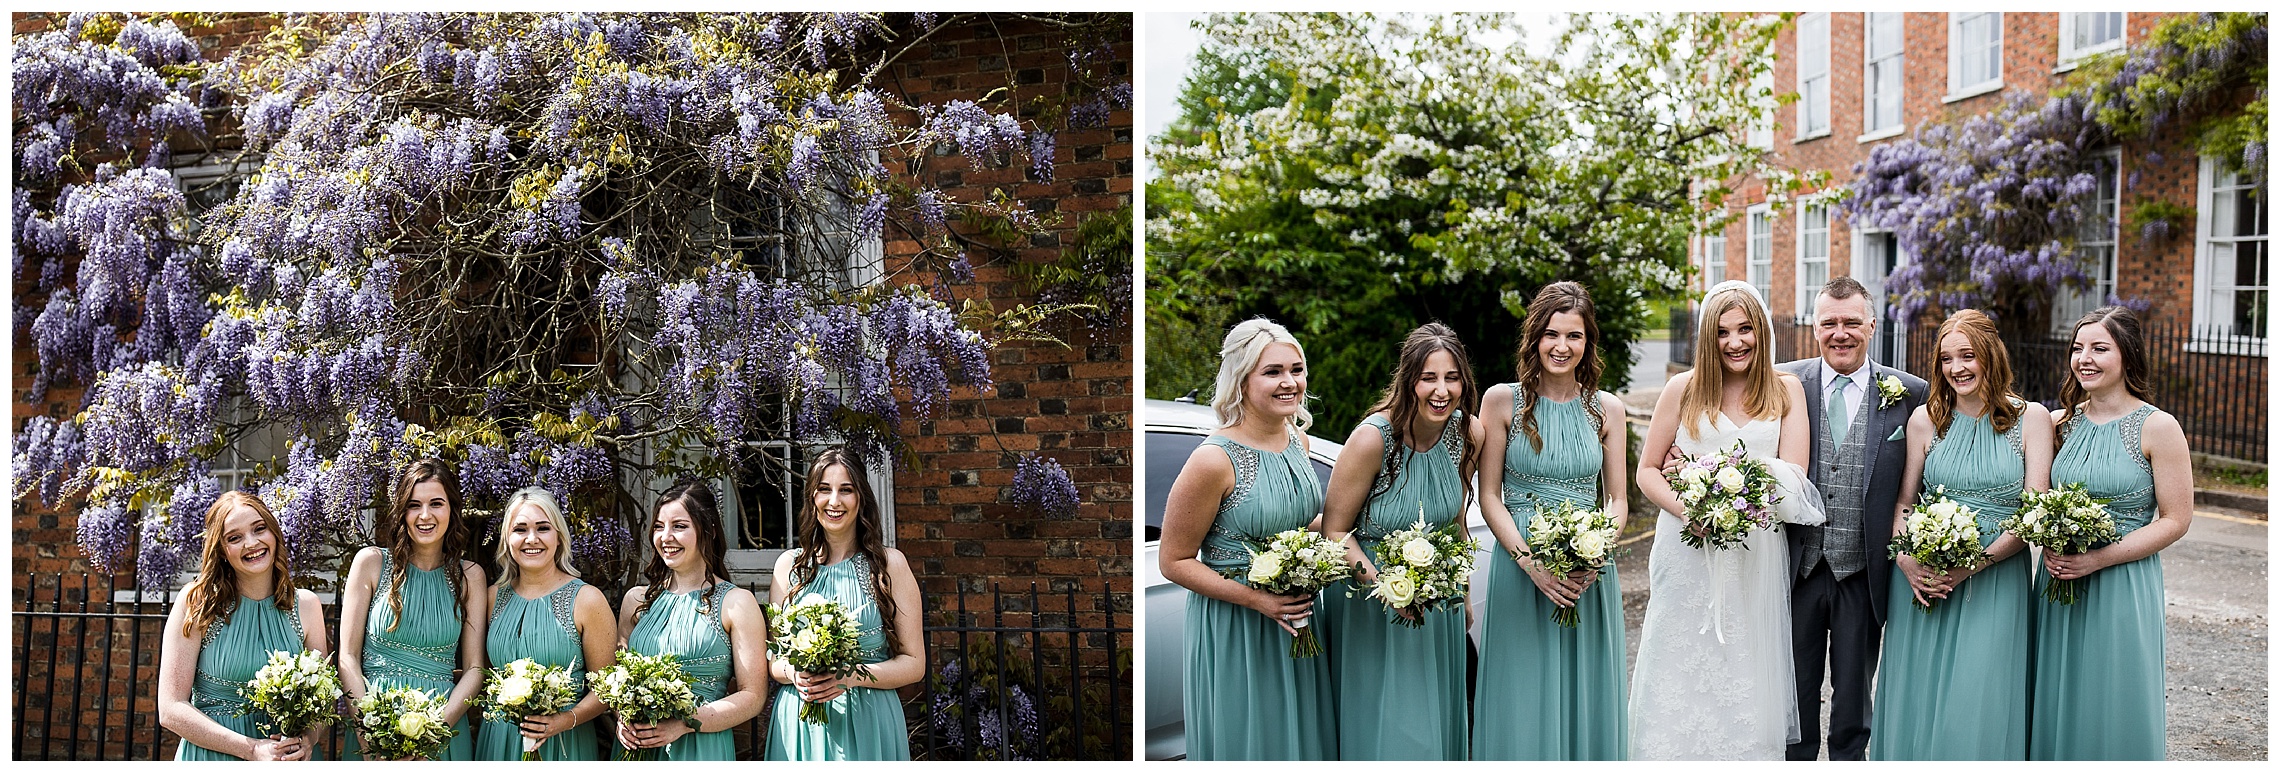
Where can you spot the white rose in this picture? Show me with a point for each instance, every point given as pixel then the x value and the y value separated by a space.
pixel 1399 589
pixel 1265 568
pixel 412 724
pixel 1694 476
pixel 806 640
pixel 1418 552
pixel 515 689
pixel 1696 492
pixel 1591 545
pixel 1730 479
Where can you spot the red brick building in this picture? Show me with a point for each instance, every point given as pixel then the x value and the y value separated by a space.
pixel 1868 78
pixel 949 513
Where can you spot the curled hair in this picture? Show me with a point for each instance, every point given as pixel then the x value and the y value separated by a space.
pixel 1400 402
pixel 870 535
pixel 2129 337
pixel 1705 392
pixel 697 500
pixel 2003 407
pixel 213 596
pixel 1245 344
pixel 544 501
pixel 392 533
pixel 1555 298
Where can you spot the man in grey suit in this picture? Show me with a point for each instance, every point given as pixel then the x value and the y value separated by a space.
pixel 1840 569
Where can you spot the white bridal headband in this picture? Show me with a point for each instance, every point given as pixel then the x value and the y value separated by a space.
pixel 1736 284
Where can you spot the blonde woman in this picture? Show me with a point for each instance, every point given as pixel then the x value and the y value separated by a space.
pixel 1714 677
pixel 1247 698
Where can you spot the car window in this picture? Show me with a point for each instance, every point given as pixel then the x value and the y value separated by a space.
pixel 1167 453
pixel 1322 470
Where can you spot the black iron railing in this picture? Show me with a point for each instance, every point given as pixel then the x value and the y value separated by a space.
pixel 1015 681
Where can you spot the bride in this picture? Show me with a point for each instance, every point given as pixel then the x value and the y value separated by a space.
pixel 1714 678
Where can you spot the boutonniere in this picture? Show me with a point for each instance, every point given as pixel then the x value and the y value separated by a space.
pixel 1890 388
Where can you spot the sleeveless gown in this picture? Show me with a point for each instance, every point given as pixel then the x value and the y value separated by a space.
pixel 232 651
pixel 2098 682
pixel 544 629
pixel 1715 677
pixel 865 723
pixel 422 652
pixel 1547 692
pixel 1400 691
pixel 1245 697
pixel 1954 684
pixel 676 625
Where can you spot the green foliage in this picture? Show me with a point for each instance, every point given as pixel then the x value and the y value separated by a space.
pixel 1354 176
pixel 2158 219
pixel 2193 67
pixel 1093 275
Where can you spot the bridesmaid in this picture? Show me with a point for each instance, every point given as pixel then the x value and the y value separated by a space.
pixel 690 610
pixel 843 557
pixel 542 611
pixel 1401 690
pixel 1954 685
pixel 1546 692
pixel 1245 696
pixel 242 607
pixel 2098 691
pixel 413 612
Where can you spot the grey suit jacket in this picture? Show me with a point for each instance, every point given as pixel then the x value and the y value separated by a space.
pixel 1887 461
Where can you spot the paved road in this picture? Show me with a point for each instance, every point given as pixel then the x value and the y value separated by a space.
pixel 2215 579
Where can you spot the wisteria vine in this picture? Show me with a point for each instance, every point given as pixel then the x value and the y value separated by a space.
pixel 570 250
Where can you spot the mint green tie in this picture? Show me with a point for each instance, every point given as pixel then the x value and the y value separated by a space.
pixel 1839 413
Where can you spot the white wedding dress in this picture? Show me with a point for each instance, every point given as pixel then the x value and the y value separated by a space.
pixel 1715 680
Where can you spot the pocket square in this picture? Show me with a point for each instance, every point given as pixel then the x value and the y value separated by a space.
pixel 1897 434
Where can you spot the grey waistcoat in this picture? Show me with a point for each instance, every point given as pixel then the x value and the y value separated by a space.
pixel 1844 477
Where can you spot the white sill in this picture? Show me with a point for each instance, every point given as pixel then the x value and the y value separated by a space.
pixel 2071 61
pixel 1883 134
pixel 2238 346
pixel 1984 88
pixel 1804 138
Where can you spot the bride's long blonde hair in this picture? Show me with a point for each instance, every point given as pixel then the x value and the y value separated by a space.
pixel 1765 398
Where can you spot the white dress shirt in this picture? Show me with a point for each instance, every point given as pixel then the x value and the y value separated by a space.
pixel 1855 392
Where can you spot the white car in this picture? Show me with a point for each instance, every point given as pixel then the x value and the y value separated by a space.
pixel 1174 429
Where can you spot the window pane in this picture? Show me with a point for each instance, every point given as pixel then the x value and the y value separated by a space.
pixel 2250 213
pixel 1883 35
pixel 767 486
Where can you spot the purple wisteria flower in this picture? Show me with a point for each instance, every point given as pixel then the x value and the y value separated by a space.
pixel 1040 483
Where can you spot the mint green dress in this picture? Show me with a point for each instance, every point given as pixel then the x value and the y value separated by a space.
pixel 544 629
pixel 421 653
pixel 864 723
pixel 2098 688
pixel 1954 684
pixel 233 650
pixel 675 625
pixel 1400 690
pixel 1545 692
pixel 1245 697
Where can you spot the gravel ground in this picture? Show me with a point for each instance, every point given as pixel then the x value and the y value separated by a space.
pixel 2215 580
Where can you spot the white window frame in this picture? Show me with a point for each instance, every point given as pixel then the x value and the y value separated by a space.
pixel 1713 252
pixel 1759 272
pixel 1957 89
pixel 2069 56
pixel 1761 89
pixel 2206 280
pixel 1897 59
pixel 2071 304
pixel 1806 291
pixel 1813 90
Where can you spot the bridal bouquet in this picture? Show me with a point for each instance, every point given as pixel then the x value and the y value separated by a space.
pixel 402 723
pixel 819 636
pixel 644 689
pixel 295 690
pixel 525 688
pixel 1727 495
pixel 2067 520
pixel 1296 563
pixel 1942 535
pixel 1424 568
pixel 1566 539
